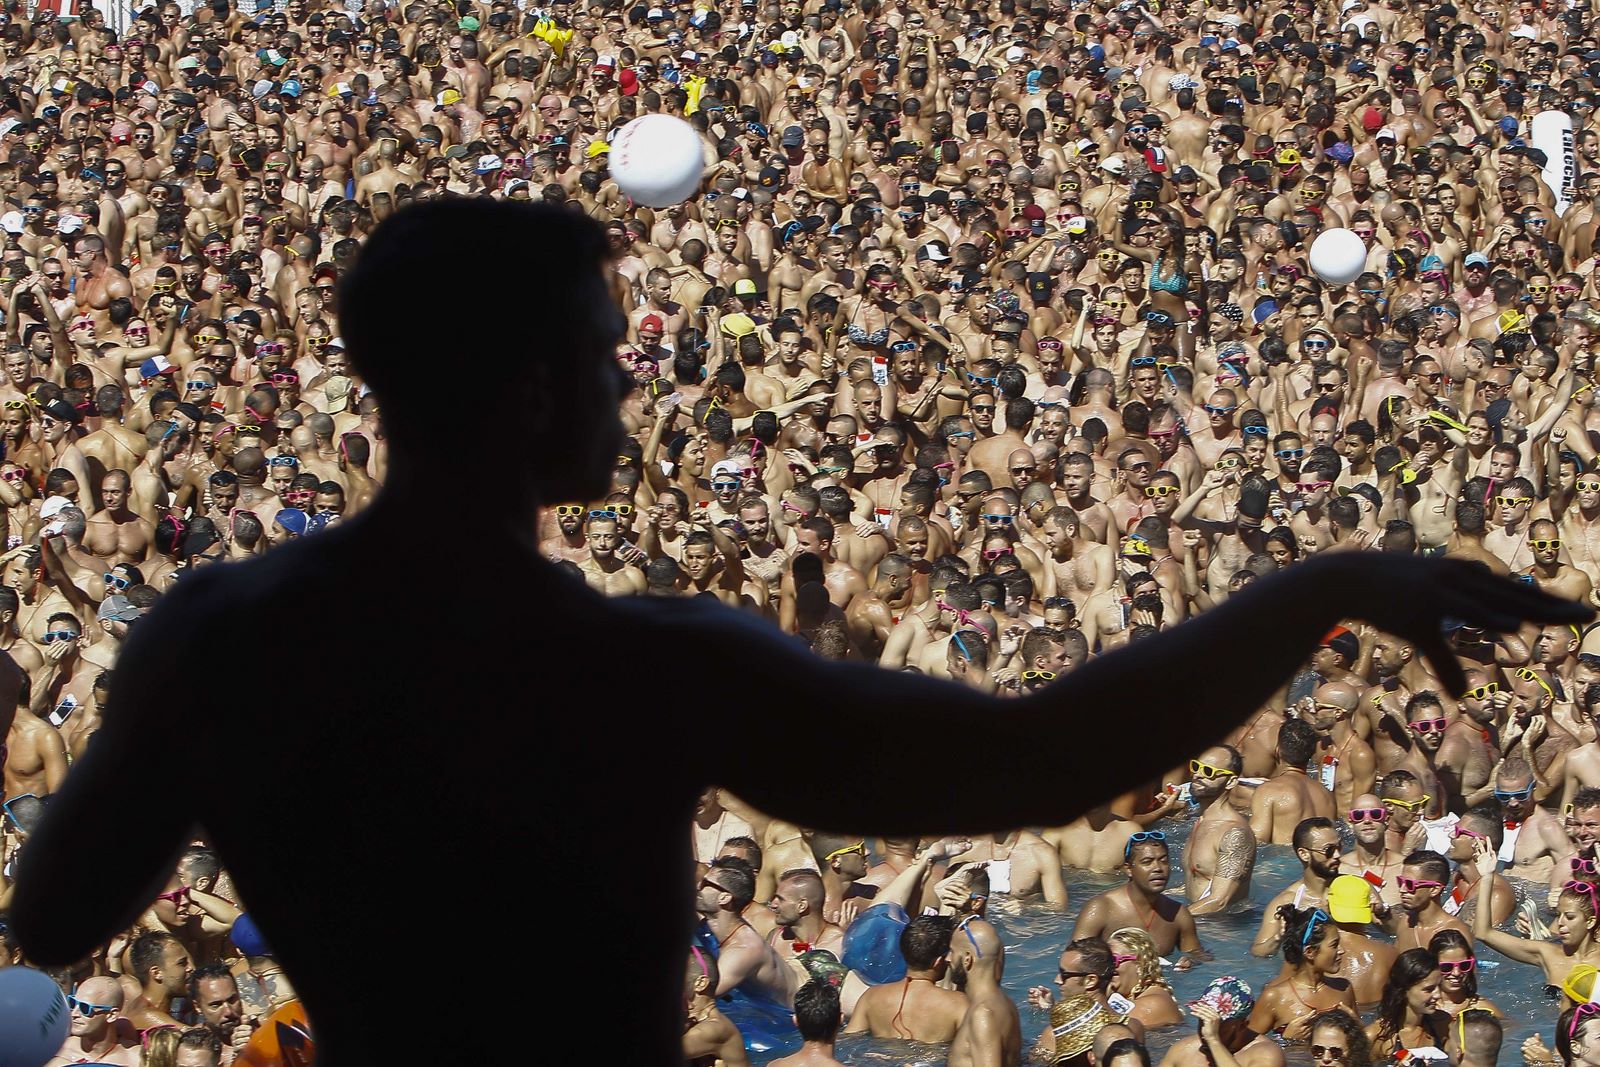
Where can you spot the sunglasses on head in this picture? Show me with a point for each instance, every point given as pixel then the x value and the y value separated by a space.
pixel 1412 806
pixel 1141 836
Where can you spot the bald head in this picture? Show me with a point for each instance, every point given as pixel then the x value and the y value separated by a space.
pixel 1338 693
pixel 101 990
pixel 805 885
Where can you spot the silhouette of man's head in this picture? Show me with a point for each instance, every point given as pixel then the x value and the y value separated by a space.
pixel 514 290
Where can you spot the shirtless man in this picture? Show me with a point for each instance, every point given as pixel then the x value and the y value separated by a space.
pixel 746 961
pixel 1535 841
pixel 915 1008
pixel 710 1036
pixel 1076 567
pixel 95 1037
pixel 569 541
pixel 1548 571
pixel 1316 846
pixel 35 755
pixel 1366 960
pixel 97 283
pixel 1424 881
pixel 1289 796
pixel 990 1034
pixel 1141 903
pixel 818 1018
pixel 1020 864
pixel 1095 841
pixel 116 534
pixel 799 924
pixel 873 613
pixel 160 964
pixel 604 570
pixel 1344 762
pixel 1372 859
pixel 1221 851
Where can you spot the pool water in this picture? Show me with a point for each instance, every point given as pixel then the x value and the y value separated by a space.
pixel 1035 937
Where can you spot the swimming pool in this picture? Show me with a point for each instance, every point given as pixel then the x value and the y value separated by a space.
pixel 1035 936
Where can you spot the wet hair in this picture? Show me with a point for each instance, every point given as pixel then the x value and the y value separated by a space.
pixel 204 973
pixel 738 879
pixel 1433 865
pixel 1097 958
pixel 926 940
pixel 147 951
pixel 1303 930
pixel 1296 742
pixel 746 845
pixel 1410 967
pixel 816 1010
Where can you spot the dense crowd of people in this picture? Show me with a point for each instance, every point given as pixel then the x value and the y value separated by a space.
pixel 989 345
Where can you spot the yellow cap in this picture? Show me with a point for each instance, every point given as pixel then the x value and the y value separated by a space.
pixel 598 148
pixel 1511 321
pixel 738 324
pixel 1350 899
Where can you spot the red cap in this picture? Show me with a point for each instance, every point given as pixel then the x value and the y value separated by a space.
pixel 628 81
pixel 652 324
pixel 1371 120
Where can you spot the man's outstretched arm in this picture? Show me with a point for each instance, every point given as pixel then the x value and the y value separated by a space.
pixel 1122 718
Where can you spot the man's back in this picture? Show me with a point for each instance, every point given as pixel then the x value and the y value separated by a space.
pixel 321 851
pixel 912 1009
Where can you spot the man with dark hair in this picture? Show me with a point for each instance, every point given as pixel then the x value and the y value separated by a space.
pixel 1086 969
pixel 1221 851
pixel 1316 846
pixel 915 1008
pixel 1141 902
pixel 818 1017
pixel 1290 795
pixel 214 996
pixel 744 959
pixel 1424 884
pixel 160 964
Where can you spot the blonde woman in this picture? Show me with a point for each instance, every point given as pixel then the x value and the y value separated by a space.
pixel 1137 979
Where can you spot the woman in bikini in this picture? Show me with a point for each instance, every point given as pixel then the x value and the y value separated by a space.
pixel 1574 926
pixel 1311 948
pixel 1137 978
pixel 1410 1016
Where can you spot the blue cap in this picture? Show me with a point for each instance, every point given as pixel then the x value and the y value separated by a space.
pixel 1341 152
pixel 1508 124
pixel 294 520
pixel 1475 259
pixel 290 87
pixel 1430 263
pixel 1097 53
pixel 1264 310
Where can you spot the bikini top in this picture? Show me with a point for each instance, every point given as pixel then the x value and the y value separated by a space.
pixel 860 336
